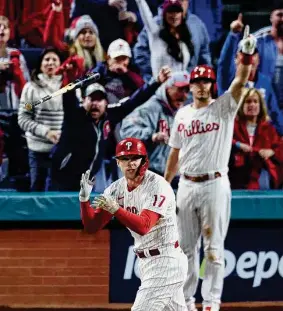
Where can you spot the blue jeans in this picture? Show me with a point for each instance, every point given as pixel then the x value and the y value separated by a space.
pixel 40 171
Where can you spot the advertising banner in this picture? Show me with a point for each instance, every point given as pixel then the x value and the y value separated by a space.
pixel 253 266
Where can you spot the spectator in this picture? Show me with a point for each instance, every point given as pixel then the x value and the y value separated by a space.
pixel 151 122
pixel 198 53
pixel 13 69
pixel 43 124
pixel 85 131
pixel 32 18
pixel 83 33
pixel 110 17
pixel 227 65
pixel 116 76
pixel 257 150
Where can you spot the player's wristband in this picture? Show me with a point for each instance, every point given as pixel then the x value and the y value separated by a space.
pixel 246 59
pixel 238 144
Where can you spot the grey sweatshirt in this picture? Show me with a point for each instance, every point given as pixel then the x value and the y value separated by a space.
pixel 45 117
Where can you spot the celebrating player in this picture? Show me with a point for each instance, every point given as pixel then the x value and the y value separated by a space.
pixel 145 203
pixel 202 134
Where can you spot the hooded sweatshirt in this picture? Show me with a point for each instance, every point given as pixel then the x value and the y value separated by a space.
pixel 156 115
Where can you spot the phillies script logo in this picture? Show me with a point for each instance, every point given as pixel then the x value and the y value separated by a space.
pixel 198 127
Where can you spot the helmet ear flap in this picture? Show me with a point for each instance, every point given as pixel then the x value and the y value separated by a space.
pixel 144 166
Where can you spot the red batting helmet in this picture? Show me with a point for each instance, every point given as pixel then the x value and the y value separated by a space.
pixel 133 146
pixel 205 72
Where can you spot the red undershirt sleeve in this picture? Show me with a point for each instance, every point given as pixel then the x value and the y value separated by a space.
pixel 141 224
pixel 93 219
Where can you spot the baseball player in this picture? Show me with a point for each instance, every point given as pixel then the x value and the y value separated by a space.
pixel 202 137
pixel 145 203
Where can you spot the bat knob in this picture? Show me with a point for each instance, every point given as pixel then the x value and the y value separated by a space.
pixel 28 106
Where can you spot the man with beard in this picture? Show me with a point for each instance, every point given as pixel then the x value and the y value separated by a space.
pixel 200 141
pixel 151 122
pixel 269 45
pixel 86 128
pixel 228 62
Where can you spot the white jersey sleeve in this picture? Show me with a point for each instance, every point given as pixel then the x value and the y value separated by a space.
pixel 228 107
pixel 175 140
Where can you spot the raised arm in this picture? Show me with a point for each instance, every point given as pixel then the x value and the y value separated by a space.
pixel 147 17
pixel 248 45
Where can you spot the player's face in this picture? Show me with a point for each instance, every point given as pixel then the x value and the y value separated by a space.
pixel 4 31
pixel 119 64
pixel 177 95
pixel 95 104
pixel 201 89
pixel 129 165
pixel 174 19
pixel 277 21
pixel 50 63
pixel 87 38
pixel 252 106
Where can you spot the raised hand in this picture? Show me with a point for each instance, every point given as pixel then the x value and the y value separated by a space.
pixel 248 43
pixel 86 186
pixel 164 74
pixel 237 25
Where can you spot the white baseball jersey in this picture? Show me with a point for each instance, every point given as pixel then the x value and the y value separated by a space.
pixel 154 194
pixel 204 136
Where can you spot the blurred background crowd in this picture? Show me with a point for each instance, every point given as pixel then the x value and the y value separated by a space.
pixel 46 44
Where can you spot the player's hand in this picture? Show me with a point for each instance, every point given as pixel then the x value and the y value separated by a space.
pixel 237 25
pixel 245 147
pixel 57 5
pixel 266 153
pixel 86 186
pixel 106 203
pixel 164 74
pixel 53 136
pixel 248 44
pixel 160 138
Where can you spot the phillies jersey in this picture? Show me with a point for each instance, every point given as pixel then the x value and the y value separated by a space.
pixel 154 194
pixel 204 136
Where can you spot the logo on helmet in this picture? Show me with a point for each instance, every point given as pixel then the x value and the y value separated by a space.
pixel 129 145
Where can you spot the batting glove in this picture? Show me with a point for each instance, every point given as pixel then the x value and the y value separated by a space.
pixel 248 43
pixel 106 203
pixel 86 187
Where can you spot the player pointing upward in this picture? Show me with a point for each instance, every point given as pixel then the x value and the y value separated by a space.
pixel 145 203
pixel 203 132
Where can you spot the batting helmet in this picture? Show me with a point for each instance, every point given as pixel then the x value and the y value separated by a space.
pixel 133 146
pixel 205 72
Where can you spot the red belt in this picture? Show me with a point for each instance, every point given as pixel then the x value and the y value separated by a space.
pixel 202 178
pixel 153 252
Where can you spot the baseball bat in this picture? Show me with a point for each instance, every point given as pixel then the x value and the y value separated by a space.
pixel 94 76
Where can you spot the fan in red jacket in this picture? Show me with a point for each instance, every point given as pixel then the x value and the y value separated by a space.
pixel 256 145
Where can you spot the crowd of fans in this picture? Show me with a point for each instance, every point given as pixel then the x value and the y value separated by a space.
pixel 129 43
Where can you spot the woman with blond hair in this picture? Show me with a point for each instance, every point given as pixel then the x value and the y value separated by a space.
pixel 257 152
pixel 85 49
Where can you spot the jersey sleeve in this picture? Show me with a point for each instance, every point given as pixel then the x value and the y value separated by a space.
pixel 158 198
pixel 175 136
pixel 227 105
